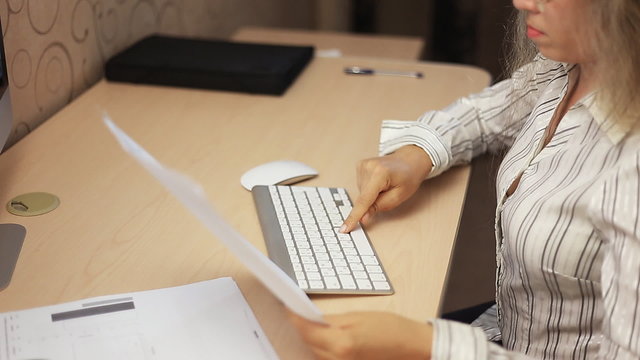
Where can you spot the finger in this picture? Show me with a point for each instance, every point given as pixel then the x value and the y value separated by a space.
pixel 389 200
pixel 314 339
pixel 361 212
pixel 370 215
pixel 366 218
pixel 364 203
pixel 301 323
pixel 322 339
pixel 369 186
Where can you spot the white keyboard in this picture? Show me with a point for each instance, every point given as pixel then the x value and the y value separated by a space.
pixel 300 226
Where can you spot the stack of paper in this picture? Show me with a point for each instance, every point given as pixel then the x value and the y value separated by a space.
pixel 205 320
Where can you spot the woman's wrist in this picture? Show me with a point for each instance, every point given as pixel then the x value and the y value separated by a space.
pixel 427 336
pixel 420 341
pixel 417 157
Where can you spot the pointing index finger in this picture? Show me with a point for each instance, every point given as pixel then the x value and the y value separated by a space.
pixel 362 205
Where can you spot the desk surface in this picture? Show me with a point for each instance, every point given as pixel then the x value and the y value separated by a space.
pixel 379 46
pixel 117 230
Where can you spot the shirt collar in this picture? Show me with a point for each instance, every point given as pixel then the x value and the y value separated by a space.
pixel 616 129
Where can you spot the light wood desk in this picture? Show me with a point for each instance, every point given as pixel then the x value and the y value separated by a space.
pixel 117 230
pixel 379 46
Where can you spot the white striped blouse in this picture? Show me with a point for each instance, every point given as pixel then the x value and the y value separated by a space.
pixel 567 239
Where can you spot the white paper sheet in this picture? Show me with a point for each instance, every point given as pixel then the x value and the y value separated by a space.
pixel 204 320
pixel 193 197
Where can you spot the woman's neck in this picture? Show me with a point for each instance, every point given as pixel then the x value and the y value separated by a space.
pixel 584 83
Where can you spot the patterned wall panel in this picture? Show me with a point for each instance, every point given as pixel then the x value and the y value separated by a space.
pixel 56 49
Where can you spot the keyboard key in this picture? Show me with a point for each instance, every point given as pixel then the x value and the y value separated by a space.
pixel 313 233
pixel 364 284
pixel 374 269
pixel 369 260
pixel 361 242
pixel 331 240
pixel 332 282
pixel 319 248
pixel 339 262
pixel 381 285
pixel 333 247
pixel 327 232
pixel 310 267
pixel 360 275
pixel 303 245
pixel 347 244
pixel 325 226
pixel 328 272
pixel 345 210
pixel 350 251
pixel 303 284
pixel 307 259
pixel 347 281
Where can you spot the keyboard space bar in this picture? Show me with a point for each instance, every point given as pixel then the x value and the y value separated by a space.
pixel 361 241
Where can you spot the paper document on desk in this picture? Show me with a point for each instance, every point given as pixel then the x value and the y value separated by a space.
pixel 204 320
pixel 193 197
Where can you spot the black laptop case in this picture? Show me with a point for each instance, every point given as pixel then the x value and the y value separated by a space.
pixel 210 64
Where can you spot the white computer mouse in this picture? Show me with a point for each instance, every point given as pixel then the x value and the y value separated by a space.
pixel 279 172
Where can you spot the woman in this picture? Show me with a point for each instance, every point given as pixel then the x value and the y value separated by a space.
pixel 567 223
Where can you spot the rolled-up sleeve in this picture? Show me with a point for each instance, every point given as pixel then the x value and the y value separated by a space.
pixel 472 125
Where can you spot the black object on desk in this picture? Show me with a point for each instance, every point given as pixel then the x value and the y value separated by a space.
pixel 11 239
pixel 210 64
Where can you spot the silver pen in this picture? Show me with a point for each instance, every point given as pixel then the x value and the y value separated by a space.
pixel 357 70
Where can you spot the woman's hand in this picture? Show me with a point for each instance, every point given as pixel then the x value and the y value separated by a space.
pixel 366 335
pixel 385 182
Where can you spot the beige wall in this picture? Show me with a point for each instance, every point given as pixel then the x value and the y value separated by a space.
pixel 56 49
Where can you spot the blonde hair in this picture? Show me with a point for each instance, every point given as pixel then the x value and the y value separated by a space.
pixel 615 41
pixel 519 49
